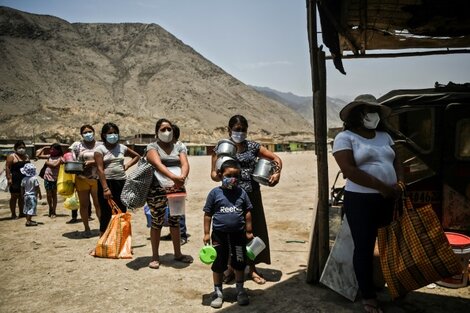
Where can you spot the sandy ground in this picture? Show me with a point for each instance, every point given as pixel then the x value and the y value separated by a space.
pixel 48 269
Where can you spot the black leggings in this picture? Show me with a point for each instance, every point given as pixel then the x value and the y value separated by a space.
pixel 116 188
pixel 366 212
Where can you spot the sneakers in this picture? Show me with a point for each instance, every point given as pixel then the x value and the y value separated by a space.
pixel 217 301
pixel 242 298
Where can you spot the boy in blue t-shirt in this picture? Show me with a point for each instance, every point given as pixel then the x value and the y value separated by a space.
pixel 229 209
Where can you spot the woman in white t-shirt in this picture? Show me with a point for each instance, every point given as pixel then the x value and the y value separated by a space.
pixel 109 158
pixel 367 158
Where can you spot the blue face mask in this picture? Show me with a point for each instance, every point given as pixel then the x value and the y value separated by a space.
pixel 112 138
pixel 229 182
pixel 88 136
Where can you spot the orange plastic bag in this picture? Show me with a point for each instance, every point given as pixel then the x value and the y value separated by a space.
pixel 116 240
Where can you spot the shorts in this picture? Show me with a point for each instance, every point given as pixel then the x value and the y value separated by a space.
pixel 50 185
pixel 86 184
pixel 230 247
pixel 30 205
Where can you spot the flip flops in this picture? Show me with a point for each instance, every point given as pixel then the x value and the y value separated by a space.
pixel 154 264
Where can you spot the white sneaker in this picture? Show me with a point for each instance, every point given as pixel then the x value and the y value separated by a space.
pixel 217 301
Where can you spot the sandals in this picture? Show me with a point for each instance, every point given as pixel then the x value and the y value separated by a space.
pixel 31 223
pixel 154 264
pixel 257 278
pixel 184 259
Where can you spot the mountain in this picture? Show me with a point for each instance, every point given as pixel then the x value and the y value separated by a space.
pixel 57 76
pixel 303 105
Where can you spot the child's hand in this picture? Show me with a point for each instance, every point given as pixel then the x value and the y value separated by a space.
pixel 249 236
pixel 207 239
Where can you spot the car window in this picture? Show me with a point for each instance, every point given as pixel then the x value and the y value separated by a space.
pixel 463 139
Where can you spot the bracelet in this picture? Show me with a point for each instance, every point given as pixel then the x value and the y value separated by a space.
pixel 105 189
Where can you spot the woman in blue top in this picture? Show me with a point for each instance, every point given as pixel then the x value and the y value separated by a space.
pixel 367 158
pixel 247 154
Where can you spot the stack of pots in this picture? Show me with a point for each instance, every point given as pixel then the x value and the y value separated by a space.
pixel 226 150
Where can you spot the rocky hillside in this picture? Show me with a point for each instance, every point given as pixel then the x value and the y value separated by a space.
pixel 57 76
pixel 303 105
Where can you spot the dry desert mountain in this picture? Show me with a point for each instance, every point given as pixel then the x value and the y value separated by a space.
pixel 56 76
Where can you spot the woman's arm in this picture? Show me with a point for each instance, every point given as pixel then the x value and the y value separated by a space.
pixel 8 164
pixel 154 158
pixel 100 169
pixel 54 163
pixel 214 176
pixel 346 163
pixel 135 158
pixel 184 166
pixel 266 154
pixel 40 153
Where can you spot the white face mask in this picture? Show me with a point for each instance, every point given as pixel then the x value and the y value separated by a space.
pixel 21 151
pixel 166 136
pixel 238 137
pixel 371 120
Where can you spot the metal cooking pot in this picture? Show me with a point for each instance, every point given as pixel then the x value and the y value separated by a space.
pixel 226 147
pixel 74 167
pixel 221 160
pixel 263 171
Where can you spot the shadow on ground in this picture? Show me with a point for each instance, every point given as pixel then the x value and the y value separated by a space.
pixel 296 296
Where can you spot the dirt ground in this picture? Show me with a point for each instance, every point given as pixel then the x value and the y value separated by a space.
pixel 48 269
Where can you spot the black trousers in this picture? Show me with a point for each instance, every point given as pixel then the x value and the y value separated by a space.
pixel 116 189
pixel 366 212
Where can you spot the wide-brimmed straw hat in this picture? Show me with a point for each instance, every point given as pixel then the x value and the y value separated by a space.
pixel 368 100
pixel 28 169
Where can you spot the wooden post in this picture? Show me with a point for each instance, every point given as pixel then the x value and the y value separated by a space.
pixel 319 236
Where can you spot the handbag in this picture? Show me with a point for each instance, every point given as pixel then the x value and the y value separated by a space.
pixel 65 182
pixel 137 185
pixel 3 181
pixel 42 172
pixel 414 250
pixel 115 243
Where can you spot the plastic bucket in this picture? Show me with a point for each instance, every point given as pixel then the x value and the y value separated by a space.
pixel 461 246
pixel 176 203
pixel 207 254
pixel 254 248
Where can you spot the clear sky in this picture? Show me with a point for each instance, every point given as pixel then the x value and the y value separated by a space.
pixel 260 42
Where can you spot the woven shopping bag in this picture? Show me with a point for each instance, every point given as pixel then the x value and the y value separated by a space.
pixel 414 250
pixel 137 185
pixel 115 243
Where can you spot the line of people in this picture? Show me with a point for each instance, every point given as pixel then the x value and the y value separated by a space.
pixel 104 176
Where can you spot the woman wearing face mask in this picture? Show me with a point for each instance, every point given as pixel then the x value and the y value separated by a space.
pixel 247 154
pixel 54 160
pixel 86 183
pixel 164 153
pixel 14 163
pixel 367 158
pixel 109 159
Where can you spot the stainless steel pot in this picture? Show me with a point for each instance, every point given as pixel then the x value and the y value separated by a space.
pixel 221 160
pixel 74 167
pixel 226 147
pixel 263 171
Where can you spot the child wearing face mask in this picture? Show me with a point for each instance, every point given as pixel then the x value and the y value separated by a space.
pixel 54 159
pixel 228 208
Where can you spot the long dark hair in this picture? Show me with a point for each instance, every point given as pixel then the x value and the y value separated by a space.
pixel 160 122
pixel 354 119
pixel 106 127
pixel 18 144
pixel 237 119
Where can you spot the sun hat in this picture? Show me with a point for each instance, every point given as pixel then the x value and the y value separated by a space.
pixel 28 169
pixel 368 100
